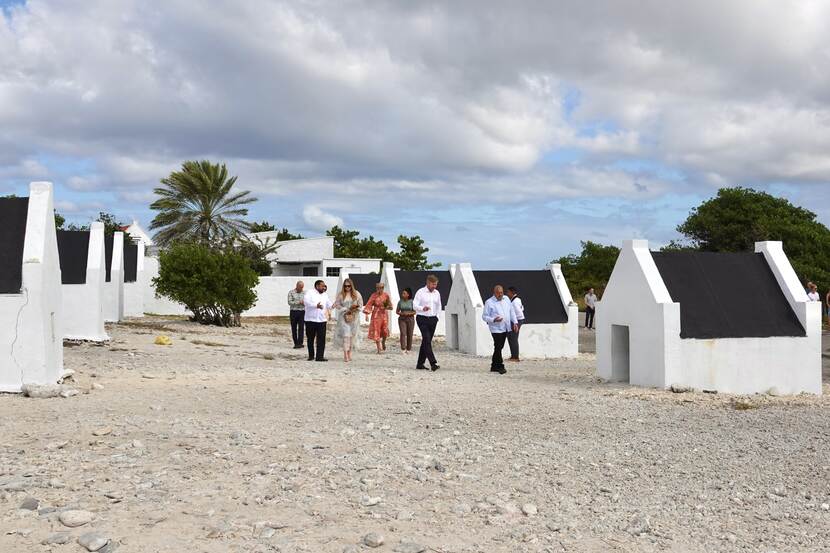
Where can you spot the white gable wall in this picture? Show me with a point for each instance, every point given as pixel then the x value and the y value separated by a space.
pixel 134 291
pixel 114 290
pixel 637 297
pixel 83 304
pixel 31 343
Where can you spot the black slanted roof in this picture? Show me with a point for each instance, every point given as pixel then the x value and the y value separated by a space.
pixel 130 260
pixel 73 250
pixel 108 245
pixel 726 295
pixel 13 215
pixel 364 283
pixel 417 280
pixel 538 292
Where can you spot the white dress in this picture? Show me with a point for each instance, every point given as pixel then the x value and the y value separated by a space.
pixel 347 331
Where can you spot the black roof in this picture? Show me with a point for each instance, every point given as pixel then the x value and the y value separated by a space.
pixel 364 283
pixel 130 260
pixel 73 250
pixel 13 215
pixel 417 280
pixel 538 292
pixel 726 295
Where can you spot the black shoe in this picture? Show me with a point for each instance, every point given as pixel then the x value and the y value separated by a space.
pixel 299 346
pixel 421 368
pixel 435 367
pixel 501 370
pixel 310 359
pixel 321 360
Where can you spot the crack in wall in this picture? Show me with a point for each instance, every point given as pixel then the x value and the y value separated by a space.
pixel 25 291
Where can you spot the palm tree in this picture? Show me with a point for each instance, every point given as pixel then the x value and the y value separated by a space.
pixel 197 204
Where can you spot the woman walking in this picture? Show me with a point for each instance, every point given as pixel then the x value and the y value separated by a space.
pixel 406 319
pixel 347 306
pixel 378 307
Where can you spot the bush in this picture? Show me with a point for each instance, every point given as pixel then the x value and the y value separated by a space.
pixel 215 285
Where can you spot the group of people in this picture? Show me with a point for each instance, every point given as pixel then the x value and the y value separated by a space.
pixel 311 310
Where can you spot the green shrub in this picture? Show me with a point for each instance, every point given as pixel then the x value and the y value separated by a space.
pixel 215 285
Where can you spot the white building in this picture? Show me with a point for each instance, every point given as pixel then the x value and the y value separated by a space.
pixel 114 283
pixel 729 322
pixel 135 279
pixel 312 257
pixel 31 338
pixel 83 272
pixel 135 231
pixel 551 326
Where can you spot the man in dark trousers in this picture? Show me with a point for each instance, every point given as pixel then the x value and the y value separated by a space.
pixel 317 305
pixel 427 305
pixel 513 337
pixel 590 308
pixel 296 305
pixel 501 320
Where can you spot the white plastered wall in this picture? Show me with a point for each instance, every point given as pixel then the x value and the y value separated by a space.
pixel 636 296
pixel 272 294
pixel 83 304
pixel 471 335
pixel 114 289
pixel 134 291
pixel 31 337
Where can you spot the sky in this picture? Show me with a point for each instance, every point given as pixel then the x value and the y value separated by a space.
pixel 503 133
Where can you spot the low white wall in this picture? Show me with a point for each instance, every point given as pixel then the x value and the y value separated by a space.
pixel 83 304
pixel 31 335
pixel 157 305
pixel 114 289
pixel 272 294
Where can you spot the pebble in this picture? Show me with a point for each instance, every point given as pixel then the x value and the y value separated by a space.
pixel 367 501
pixel 30 504
pixel 639 525
pixel 373 539
pixel 96 386
pixel 529 509
pixel 825 506
pixel 409 547
pixel 69 393
pixel 102 431
pixel 75 518
pixel 93 541
pixel 58 538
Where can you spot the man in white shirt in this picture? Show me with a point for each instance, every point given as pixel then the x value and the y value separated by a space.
pixel 513 337
pixel 590 308
pixel 317 305
pixel 812 292
pixel 500 317
pixel 427 305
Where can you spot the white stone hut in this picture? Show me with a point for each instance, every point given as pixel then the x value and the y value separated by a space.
pixel 135 279
pixel 551 326
pixel 31 339
pixel 114 284
pixel 83 272
pixel 727 322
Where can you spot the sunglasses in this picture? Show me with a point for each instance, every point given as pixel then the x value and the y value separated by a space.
pixel 347 286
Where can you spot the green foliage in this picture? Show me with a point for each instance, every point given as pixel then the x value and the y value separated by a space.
pixel 198 204
pixel 111 224
pixel 347 243
pixel 215 285
pixel 263 226
pixel 738 217
pixel 60 220
pixel 282 235
pixel 256 251
pixel 413 254
pixel 590 269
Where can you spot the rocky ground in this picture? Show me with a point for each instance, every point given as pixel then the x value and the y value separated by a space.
pixel 229 441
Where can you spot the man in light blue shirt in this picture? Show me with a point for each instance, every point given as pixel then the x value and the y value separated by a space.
pixel 501 320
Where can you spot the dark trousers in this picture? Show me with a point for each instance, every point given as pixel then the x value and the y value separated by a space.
pixel 427 327
pixel 498 345
pixel 297 326
pixel 316 334
pixel 513 341
pixel 589 317
pixel 407 327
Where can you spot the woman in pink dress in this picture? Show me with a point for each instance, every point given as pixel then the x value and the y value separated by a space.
pixel 378 306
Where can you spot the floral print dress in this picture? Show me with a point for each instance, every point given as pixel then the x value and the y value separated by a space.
pixel 378 306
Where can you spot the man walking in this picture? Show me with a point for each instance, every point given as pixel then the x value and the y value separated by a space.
pixel 590 308
pixel 296 305
pixel 317 304
pixel 519 308
pixel 427 305
pixel 501 320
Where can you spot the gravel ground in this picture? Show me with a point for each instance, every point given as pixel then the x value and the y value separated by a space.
pixel 229 441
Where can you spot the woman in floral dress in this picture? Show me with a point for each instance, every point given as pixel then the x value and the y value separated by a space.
pixel 347 307
pixel 378 307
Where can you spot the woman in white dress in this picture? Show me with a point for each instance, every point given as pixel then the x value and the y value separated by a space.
pixel 347 308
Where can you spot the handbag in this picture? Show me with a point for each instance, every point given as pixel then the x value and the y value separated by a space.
pixel 349 317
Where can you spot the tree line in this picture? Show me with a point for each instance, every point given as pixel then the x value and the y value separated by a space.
pixel 732 221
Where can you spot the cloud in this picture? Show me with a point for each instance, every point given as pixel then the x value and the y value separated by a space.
pixel 317 219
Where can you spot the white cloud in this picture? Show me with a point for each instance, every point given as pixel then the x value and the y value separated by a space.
pixel 320 220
